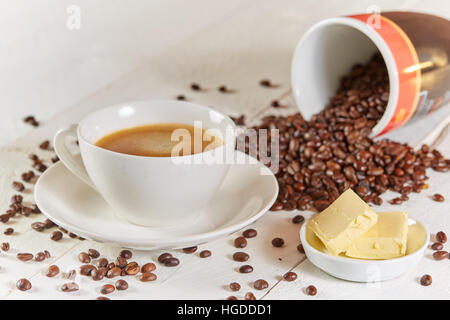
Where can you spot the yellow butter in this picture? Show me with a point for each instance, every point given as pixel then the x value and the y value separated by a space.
pixel 385 240
pixel 344 221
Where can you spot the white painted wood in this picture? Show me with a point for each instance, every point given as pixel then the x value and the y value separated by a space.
pixel 240 45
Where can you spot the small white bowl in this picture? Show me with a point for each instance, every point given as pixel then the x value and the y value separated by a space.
pixel 363 270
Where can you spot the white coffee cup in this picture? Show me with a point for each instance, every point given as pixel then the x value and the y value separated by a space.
pixel 148 191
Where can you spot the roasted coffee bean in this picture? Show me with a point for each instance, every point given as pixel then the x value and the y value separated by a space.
pixel 437 246
pixel 45 145
pixel 127 254
pixel 26 211
pixel 195 87
pixel 205 254
pixel 278 242
pixel 113 272
pixel 56 236
pixel 311 291
pixel 121 262
pixel 70 287
pixel 234 286
pixel 8 231
pixel 240 242
pixel 18 186
pixel 180 97
pixel 440 255
pixel 35 209
pixel 52 271
pixel 23 285
pixel 49 224
pixel 71 275
pixel 190 250
pixel 146 277
pixel 240 256
pixel 47 254
pixel 101 263
pixel 163 257
pixel 260 284
pixel 107 289
pixel 171 262
pixel 250 296
pixel 25 256
pixel 94 254
pixel 17 198
pixel 98 274
pixel 290 276
pixel 121 285
pixel 38 226
pixel 4 218
pixel 40 256
pixel 133 268
pixel 232 298
pixel 426 280
pixel 267 83
pixel 86 269
pixel 438 197
pixel 250 233
pixel 102 298
pixel 298 219
pixel 84 257
pixel 224 89
pixel 27 176
pixel 246 269
pixel 5 246
pixel 72 235
pixel 396 201
pixel 300 248
pixel 441 237
pixel 148 267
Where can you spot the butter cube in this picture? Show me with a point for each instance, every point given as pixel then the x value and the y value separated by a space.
pixel 344 221
pixel 385 240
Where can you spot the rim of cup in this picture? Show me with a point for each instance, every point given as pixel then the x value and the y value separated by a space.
pixel 186 103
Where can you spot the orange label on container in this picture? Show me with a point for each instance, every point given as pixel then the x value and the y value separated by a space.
pixel 407 65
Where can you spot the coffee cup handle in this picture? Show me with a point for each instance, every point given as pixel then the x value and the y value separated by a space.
pixel 73 163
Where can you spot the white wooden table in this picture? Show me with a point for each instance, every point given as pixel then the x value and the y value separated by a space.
pixel 236 44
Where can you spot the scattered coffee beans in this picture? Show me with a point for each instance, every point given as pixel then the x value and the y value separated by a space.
pixel 113 272
pixel 121 285
pixel 86 270
pixel 146 277
pixel 133 268
pixel 84 257
pixel 40 256
pixel 290 276
pixel 232 298
pixel 278 242
pixel 268 84
pixel 240 256
pixel 5 246
pixel 171 262
pixel 260 284
pixel 250 296
pixel 240 242
pixel 234 286
pixel 23 285
pixel 205 254
pixel 426 280
pixel 18 186
pixel 195 87
pixel 163 257
pixel 246 269
pixel 438 197
pixel 24 256
pixel 298 219
pixel 45 145
pixel 437 246
pixel 52 271
pixel 107 289
pixel 127 254
pixel 441 237
pixel 102 298
pixel 56 236
pixel 148 267
pixel 311 291
pixel 250 233
pixel 38 226
pixel 440 255
pixel 94 254
pixel 70 287
pixel 190 250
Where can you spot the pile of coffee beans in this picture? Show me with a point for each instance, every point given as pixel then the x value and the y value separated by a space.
pixel 321 158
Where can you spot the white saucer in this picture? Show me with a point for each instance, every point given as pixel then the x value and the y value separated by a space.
pixel 245 196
